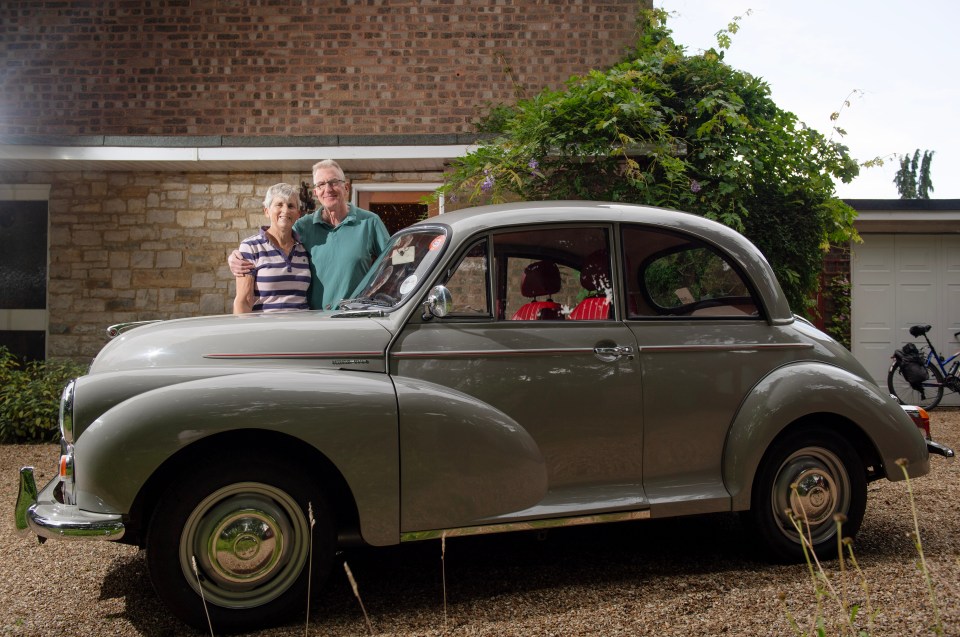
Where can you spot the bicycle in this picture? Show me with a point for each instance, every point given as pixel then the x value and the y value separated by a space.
pixel 926 393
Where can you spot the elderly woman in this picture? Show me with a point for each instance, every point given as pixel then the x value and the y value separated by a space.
pixel 281 275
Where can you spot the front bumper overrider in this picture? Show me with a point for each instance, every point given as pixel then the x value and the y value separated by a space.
pixel 43 514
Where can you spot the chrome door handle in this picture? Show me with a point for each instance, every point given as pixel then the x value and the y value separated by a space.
pixel 610 354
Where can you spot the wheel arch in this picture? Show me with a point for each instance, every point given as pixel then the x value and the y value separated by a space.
pixel 349 422
pixel 849 430
pixel 783 402
pixel 294 452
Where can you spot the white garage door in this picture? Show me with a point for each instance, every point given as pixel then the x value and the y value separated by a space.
pixel 899 281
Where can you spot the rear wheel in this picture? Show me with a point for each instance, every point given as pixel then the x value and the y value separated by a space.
pixel 812 475
pixel 932 387
pixel 234 543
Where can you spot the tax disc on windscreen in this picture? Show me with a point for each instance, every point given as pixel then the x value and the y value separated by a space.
pixel 408 284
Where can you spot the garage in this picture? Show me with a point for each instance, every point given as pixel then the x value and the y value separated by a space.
pixel 905 272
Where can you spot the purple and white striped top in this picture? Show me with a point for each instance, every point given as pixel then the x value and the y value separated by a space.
pixel 281 280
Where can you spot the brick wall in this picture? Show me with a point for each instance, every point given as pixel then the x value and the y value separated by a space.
pixel 288 67
pixel 142 245
pixel 129 246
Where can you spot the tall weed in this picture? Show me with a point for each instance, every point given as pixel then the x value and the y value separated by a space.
pixel 853 617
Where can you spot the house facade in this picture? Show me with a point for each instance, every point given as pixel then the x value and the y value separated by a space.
pixel 137 139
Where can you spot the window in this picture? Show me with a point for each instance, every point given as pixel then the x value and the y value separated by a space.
pixel 554 274
pixel 398 205
pixel 670 274
pixel 469 284
pixel 541 274
pixel 23 271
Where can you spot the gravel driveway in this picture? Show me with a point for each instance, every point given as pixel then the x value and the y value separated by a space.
pixel 690 576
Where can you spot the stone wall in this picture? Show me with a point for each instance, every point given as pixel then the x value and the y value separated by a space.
pixel 130 246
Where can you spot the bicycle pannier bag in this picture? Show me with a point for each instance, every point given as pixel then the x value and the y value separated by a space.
pixel 911 366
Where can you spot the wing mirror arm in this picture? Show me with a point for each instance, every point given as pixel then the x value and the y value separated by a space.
pixel 438 304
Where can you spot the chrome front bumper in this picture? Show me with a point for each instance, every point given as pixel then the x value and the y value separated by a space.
pixel 43 514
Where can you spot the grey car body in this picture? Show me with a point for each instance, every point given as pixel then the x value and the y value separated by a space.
pixel 429 406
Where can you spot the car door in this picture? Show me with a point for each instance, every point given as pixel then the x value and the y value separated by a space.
pixel 559 430
pixel 703 343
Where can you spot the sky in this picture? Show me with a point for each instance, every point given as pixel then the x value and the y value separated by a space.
pixel 897 63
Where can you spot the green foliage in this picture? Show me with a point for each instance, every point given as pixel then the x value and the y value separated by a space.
pixel 924 182
pixel 681 131
pixel 913 178
pixel 30 397
pixel 839 326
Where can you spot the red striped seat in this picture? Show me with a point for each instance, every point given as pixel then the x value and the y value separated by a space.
pixel 595 278
pixel 540 278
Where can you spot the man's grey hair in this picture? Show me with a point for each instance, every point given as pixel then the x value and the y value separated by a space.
pixel 285 191
pixel 328 163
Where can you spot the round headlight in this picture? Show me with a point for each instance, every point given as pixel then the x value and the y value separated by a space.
pixel 66 412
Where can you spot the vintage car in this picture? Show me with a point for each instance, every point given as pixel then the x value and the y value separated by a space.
pixel 507 367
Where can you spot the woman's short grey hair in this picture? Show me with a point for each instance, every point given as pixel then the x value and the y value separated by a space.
pixel 286 191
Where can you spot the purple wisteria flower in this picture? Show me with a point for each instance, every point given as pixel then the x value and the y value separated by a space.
pixel 533 164
pixel 694 186
pixel 487 184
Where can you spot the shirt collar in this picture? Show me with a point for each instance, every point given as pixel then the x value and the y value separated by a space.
pixel 349 219
pixel 263 233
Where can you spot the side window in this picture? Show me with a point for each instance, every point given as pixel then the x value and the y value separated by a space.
pixel 673 275
pixel 469 284
pixel 553 274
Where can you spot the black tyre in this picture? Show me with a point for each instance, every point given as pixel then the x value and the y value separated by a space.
pixel 932 392
pixel 244 523
pixel 815 474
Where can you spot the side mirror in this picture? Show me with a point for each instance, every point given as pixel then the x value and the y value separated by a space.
pixel 439 303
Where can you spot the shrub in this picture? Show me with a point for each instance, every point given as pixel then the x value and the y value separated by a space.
pixel 30 397
pixel 839 323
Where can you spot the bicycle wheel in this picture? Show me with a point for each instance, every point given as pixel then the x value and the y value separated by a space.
pixel 928 398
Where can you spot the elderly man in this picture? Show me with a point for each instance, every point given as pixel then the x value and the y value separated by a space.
pixel 342 239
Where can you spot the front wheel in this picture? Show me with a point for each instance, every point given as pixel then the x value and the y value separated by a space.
pixel 810 475
pixel 234 542
pixel 932 388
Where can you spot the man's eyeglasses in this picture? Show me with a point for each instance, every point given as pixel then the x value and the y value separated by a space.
pixel 331 183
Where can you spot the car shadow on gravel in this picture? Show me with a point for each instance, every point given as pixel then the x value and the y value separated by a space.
pixel 404 585
pixel 407 580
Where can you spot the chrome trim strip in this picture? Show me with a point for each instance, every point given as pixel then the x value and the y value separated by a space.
pixel 526 525
pixel 733 347
pixel 492 352
pixel 296 355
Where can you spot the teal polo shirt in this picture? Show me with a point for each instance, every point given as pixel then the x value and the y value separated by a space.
pixel 340 256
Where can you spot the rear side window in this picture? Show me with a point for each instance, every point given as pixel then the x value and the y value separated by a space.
pixel 673 275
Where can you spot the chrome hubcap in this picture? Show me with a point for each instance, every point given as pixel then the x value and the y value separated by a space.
pixel 815 497
pixel 246 545
pixel 249 542
pixel 812 483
